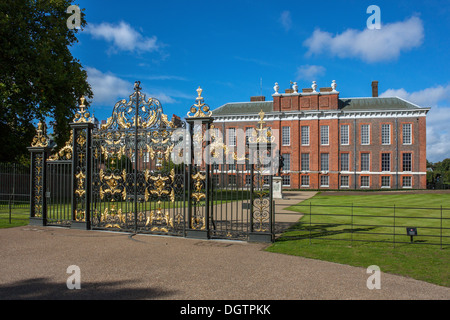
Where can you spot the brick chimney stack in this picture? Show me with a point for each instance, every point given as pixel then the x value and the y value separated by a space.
pixel 374 89
pixel 257 98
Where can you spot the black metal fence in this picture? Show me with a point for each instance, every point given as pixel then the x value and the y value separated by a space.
pixel 383 224
pixel 14 192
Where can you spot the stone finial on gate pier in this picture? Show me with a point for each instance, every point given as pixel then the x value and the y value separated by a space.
pixel 199 109
pixel 82 115
pixel 41 139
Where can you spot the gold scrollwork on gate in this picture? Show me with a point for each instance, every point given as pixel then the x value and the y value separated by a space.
pixel 113 182
pixel 198 220
pixel 80 215
pixel 261 211
pixel 80 191
pixel 162 219
pixel 159 183
pixel 65 153
pixel 113 217
pixel 261 134
pixel 198 185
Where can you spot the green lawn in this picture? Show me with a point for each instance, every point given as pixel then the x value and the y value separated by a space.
pixel 20 214
pixel 341 234
pixel 19 217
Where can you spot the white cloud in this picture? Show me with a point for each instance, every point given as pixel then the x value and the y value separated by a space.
pixel 123 37
pixel 286 20
pixel 108 89
pixel 438 134
pixel 309 72
pixel 426 97
pixel 438 118
pixel 369 45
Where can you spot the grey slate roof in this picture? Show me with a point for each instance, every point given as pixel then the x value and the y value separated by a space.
pixel 243 108
pixel 385 103
pixel 345 104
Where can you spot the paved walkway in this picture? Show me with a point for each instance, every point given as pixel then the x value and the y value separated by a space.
pixel 34 262
pixel 285 218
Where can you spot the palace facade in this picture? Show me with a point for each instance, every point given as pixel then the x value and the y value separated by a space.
pixel 328 142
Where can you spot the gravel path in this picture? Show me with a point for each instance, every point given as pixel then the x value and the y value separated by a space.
pixel 34 262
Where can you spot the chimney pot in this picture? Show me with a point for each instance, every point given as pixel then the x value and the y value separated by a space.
pixel 374 89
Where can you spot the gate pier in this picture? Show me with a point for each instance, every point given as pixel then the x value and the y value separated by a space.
pixel 39 152
pixel 82 128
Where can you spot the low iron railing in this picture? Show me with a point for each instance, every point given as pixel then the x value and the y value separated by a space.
pixel 385 224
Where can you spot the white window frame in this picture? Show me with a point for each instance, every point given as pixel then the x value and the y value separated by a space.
pixel 361 181
pixel 365 134
pixel 409 184
pixel 304 135
pixel 324 135
pixel 248 180
pixel 383 182
pixel 232 137
pixel 407 132
pixel 345 136
pixel 408 160
pixel 286 162
pixel 324 181
pixel 344 185
pixel 248 134
pixel 385 134
pixel 286 180
pixel 307 163
pixel 365 162
pixel 304 179
pixel 383 161
pixel 325 162
pixel 345 161
pixel 286 136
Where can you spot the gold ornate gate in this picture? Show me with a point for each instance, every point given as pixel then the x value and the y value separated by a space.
pixel 141 173
pixel 136 185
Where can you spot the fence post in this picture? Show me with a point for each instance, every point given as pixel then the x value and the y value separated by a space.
pixel 39 152
pixel 351 226
pixel 310 222
pixel 9 207
pixel 441 226
pixel 394 226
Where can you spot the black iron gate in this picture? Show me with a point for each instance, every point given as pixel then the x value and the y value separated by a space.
pixel 141 173
pixel 136 184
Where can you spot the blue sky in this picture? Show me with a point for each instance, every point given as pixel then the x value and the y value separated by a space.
pixel 230 48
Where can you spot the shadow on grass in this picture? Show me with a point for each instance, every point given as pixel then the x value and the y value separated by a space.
pixel 317 231
pixel 45 289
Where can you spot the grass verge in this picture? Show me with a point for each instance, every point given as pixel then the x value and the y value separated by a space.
pixel 335 234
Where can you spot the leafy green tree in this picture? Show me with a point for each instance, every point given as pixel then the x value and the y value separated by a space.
pixel 443 165
pixel 430 164
pixel 39 77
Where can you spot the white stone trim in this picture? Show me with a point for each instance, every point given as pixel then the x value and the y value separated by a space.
pixel 323 115
pixel 358 172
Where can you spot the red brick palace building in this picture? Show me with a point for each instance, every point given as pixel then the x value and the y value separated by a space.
pixel 328 142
